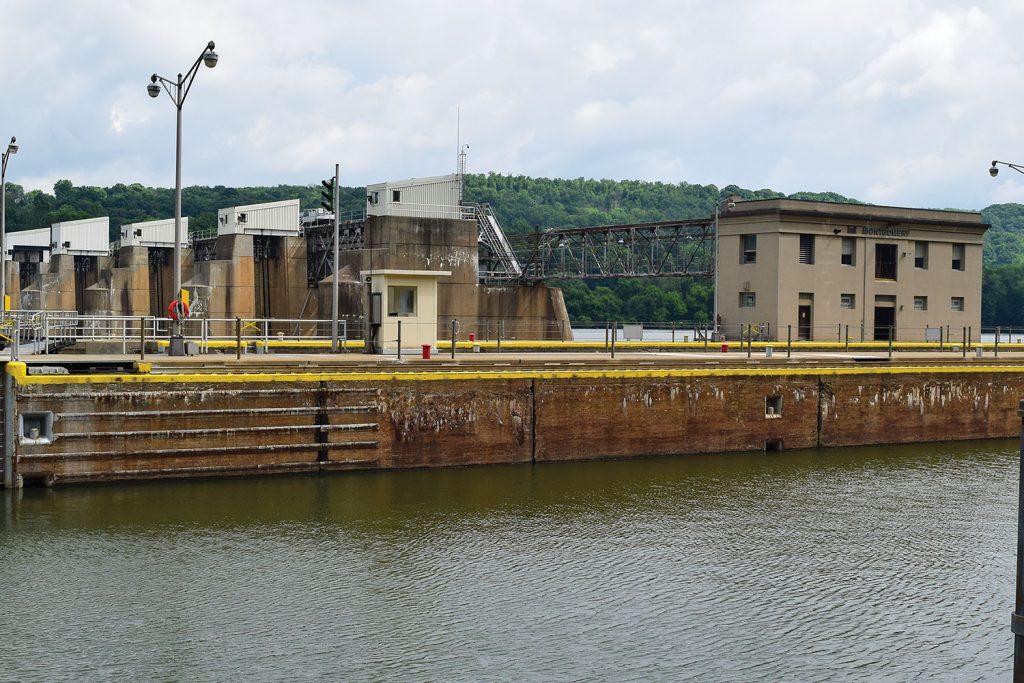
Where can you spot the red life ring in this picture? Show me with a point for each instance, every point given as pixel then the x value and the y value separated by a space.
pixel 177 310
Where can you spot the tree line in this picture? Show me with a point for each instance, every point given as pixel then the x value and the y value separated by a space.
pixel 524 204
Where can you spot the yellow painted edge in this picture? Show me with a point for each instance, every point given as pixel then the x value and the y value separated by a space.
pixel 19 373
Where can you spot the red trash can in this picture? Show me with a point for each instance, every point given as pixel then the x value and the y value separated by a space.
pixel 426 352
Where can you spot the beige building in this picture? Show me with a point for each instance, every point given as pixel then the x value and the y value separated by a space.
pixel 824 271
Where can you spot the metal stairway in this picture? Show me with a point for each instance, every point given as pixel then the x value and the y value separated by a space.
pixel 502 263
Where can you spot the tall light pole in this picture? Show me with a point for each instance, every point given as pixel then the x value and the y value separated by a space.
pixel 12 148
pixel 178 91
pixel 729 206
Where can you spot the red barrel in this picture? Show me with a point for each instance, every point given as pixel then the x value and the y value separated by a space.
pixel 725 347
pixel 472 337
pixel 426 352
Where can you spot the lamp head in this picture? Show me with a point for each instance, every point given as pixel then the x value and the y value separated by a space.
pixel 210 57
pixel 153 88
pixel 730 206
pixel 12 148
pixel 993 171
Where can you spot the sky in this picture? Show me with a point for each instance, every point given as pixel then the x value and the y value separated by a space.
pixel 892 102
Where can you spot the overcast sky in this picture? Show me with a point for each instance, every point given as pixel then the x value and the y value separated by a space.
pixel 889 101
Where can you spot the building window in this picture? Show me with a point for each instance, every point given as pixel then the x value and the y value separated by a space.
pixel 396 195
pixel 849 251
pixel 401 301
pixel 848 301
pixel 958 257
pixel 748 299
pixel 748 253
pixel 920 303
pixel 921 255
pixel 807 249
pixel 956 303
pixel 885 261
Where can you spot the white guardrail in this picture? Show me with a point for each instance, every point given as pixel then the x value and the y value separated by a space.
pixel 42 332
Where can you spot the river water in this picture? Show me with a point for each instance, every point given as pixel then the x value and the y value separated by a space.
pixel 865 564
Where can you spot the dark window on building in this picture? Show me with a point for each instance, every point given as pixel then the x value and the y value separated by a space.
pixel 885 261
pixel 396 195
pixel 956 303
pixel 921 255
pixel 848 301
pixel 807 249
pixel 748 299
pixel 748 249
pixel 958 257
pixel 849 250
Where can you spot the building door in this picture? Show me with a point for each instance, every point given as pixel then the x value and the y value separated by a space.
pixel 803 328
pixel 885 319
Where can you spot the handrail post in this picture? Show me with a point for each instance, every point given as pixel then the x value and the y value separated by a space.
pixel 615 329
pixel 963 343
pixel 454 322
pixel 846 341
pixel 399 339
pixel 238 338
pixel 999 333
pixel 142 338
pixel 890 342
pixel 789 341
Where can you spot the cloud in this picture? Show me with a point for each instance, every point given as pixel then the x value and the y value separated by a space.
pixel 897 102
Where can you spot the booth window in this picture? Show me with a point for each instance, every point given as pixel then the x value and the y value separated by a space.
pixel 401 301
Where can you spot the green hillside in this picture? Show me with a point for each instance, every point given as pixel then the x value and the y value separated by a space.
pixel 521 203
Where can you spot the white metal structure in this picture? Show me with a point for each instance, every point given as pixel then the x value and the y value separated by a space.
pixel 153 233
pixel 28 245
pixel 87 237
pixel 433 197
pixel 271 218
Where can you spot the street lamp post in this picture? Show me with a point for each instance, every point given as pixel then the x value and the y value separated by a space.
pixel 729 206
pixel 993 171
pixel 12 148
pixel 178 91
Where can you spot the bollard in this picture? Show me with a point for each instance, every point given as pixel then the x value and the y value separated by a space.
pixel 890 342
pixel 238 338
pixel 847 346
pixel 768 352
pixel 142 339
pixel 963 343
pixel 750 333
pixel 454 323
pixel 399 340
pixel 999 333
pixel 789 341
pixel 615 328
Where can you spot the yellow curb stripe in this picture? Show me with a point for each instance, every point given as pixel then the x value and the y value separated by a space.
pixel 19 372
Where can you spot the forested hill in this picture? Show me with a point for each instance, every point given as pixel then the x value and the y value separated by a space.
pixel 521 203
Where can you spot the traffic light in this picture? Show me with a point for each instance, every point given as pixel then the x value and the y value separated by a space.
pixel 327 194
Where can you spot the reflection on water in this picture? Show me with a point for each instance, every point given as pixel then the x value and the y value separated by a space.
pixel 849 564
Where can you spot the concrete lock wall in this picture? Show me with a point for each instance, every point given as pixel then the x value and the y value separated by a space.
pixel 139 426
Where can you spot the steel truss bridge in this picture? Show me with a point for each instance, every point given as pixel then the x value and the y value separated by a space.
pixel 664 249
